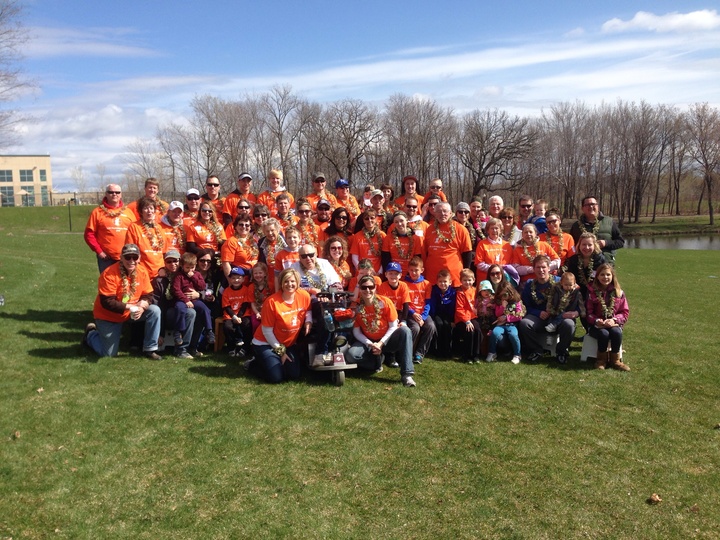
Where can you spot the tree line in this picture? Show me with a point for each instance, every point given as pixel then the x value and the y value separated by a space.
pixel 637 158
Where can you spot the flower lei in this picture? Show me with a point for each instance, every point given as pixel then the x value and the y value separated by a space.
pixel 168 289
pixel 162 205
pixel 214 228
pixel 260 294
pixel 556 247
pixel 192 215
pixel 371 326
pixel 403 255
pixel 441 237
pixel 322 284
pixel 271 249
pixel 374 251
pixel 156 239
pixel 526 252
pixel 585 272
pixel 308 233
pixel 595 227
pixel 608 311
pixel 111 213
pixel 512 309
pixel 533 293
pixel 251 249
pixel 351 205
pixel 180 234
pixel 286 221
pixel 345 275
pixel 129 283
pixel 562 305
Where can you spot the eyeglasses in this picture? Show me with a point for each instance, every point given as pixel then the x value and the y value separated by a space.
pixel 507 217
pixel 307 255
pixel 435 187
pixel 463 211
pixel 131 257
pixel 367 287
pixel 172 261
pixel 319 181
pixel 590 204
pixel 212 185
pixel 113 192
pixel 206 211
pixel 204 260
pixel 344 218
pixel 334 248
pixel 244 225
pixel 304 211
pixel 496 273
pixel 261 215
pixel 193 197
pixel 411 207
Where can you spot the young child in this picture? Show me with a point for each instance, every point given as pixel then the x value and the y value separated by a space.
pixel 485 307
pixel 186 280
pixel 398 292
pixel 288 255
pixel 607 313
pixel 467 334
pixel 509 310
pixel 419 321
pixel 538 217
pixel 233 298
pixel 443 298
pixel 565 298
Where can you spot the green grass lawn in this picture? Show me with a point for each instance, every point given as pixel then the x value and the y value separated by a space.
pixel 129 448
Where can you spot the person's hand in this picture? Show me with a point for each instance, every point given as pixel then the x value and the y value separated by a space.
pixel 376 348
pixel 192 294
pixel 468 326
pixel 502 319
pixel 544 315
pixel 308 327
pixel 257 316
pixel 189 304
pixel 285 358
pixel 418 318
pixel 570 315
pixel 102 255
pixel 602 243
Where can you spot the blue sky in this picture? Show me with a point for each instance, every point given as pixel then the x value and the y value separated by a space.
pixel 111 72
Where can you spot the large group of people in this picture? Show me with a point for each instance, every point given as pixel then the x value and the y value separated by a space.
pixel 426 279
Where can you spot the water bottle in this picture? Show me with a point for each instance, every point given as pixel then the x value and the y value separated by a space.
pixel 329 322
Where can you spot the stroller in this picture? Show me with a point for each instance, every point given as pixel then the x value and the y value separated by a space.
pixel 338 319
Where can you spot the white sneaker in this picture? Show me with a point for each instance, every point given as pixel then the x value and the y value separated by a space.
pixel 550 327
pixel 407 380
pixel 491 357
pixel 515 359
pixel 318 360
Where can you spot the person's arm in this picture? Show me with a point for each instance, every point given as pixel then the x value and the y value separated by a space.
pixel 616 241
pixel 191 247
pixel 392 326
pixel 112 304
pixel 92 241
pixel 177 291
pixel 269 336
pixel 426 309
pixel 385 258
pixel 404 312
pixel 467 259
pixel 359 336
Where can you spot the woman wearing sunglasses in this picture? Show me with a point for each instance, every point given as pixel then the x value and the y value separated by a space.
pixel 376 332
pixel 124 293
pixel 240 250
pixel 206 232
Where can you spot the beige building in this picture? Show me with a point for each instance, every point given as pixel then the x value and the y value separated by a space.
pixel 25 181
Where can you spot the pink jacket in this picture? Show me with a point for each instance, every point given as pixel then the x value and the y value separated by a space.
pixel 621 312
pixel 518 309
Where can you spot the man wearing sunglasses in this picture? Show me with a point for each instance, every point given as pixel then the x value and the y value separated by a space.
pixel 377 332
pixel 243 191
pixel 212 194
pixel 192 206
pixel 319 183
pixel 107 227
pixel 124 293
pixel 525 210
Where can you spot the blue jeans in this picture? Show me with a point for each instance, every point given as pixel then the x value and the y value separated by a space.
pixel 271 367
pixel 400 343
pixel 508 331
pixel 107 262
pixel 190 315
pixel 612 335
pixel 181 309
pixel 105 341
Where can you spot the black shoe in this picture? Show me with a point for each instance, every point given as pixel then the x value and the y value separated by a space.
pixel 534 357
pixel 210 337
pixel 152 355
pixel 88 328
pixel 562 359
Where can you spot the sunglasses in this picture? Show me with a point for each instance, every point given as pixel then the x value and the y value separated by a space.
pixel 172 261
pixel 435 187
pixel 496 273
pixel 307 255
pixel 432 204
pixel 243 208
pixel 526 206
pixel 113 192
pixel 131 257
pixel 193 198
pixel 304 211
pixel 336 248
pixel 212 185
pixel 411 207
pixel 367 287
pixel 463 211
pixel 344 218
pixel 552 221
pixel 507 217
pixel 204 260
pixel 206 211
pixel 244 225
pixel 261 215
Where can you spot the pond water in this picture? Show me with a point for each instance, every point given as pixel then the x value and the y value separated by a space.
pixel 697 241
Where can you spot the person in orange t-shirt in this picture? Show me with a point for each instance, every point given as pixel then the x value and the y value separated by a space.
pixel 212 194
pixel 447 245
pixel 367 242
pixel 205 232
pixel 492 250
pixel 276 187
pixel 410 185
pixel 173 228
pixel 320 193
pixel 148 236
pixel 284 316
pixel 243 192
pixel 436 188
pixel 467 334
pixel 396 290
pixel 107 227
pixel 152 188
pixel 124 293
pixel 527 249
pixel 401 244
pixel 376 332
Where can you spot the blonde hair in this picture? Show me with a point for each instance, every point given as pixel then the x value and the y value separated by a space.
pixel 275 173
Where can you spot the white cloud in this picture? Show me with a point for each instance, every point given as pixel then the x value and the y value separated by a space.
pixel 671 22
pixel 48 42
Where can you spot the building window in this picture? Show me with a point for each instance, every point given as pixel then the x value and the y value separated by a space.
pixel 5 176
pixel 45 194
pixel 26 175
pixel 43 175
pixel 29 199
pixel 8 195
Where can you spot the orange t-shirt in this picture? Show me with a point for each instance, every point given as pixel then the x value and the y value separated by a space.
pixel 250 296
pixel 234 299
pixel 173 237
pixel 368 249
pixel 490 253
pixel 285 319
pixel 243 255
pixel 354 282
pixel 218 203
pixel 366 317
pixel 285 259
pixel 400 201
pixel 110 284
pixel 408 250
pixel 398 296
pixel 309 233
pixel 110 228
pixel 287 222
pixel 418 293
pixel 563 244
pixel 151 256
pixel 230 203
pixel 444 251
pixel 268 199
pixel 204 237
pixel 314 199
pixel 465 305
pixel 351 205
pixel 519 257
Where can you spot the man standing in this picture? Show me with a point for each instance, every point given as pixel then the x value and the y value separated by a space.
pixel 229 209
pixel 525 210
pixel 212 194
pixel 107 226
pixel 347 200
pixel 172 228
pixel 447 245
pixel 602 226
pixel 152 188
pixel 320 193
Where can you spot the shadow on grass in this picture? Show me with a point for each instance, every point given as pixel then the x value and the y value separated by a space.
pixel 70 337
pixel 66 319
pixel 69 352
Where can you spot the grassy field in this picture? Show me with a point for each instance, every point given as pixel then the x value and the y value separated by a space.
pixel 128 448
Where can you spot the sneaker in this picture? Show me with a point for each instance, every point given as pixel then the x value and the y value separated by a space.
pixel 515 359
pixel 379 370
pixel 210 337
pixel 152 355
pixel 239 352
pixel 562 359
pixel 491 357
pixel 550 327
pixel 89 327
pixel 408 381
pixel 184 355
pixel 417 359
pixel 534 357
pixel 393 364
pixel 196 353
pixel 318 361
pixel 247 363
pixel 177 336
pixel 232 353
pixel 469 361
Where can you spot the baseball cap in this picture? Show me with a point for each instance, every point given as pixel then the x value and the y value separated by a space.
pixel 462 206
pixel 237 271
pixel 375 193
pixel 130 249
pixel 319 175
pixel 192 191
pixel 323 202
pixel 175 205
pixel 244 176
pixel 172 254
pixel 342 183
pixel 393 267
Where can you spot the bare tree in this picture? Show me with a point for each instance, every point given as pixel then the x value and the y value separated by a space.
pixel 704 128
pixel 12 83
pixel 79 179
pixel 143 160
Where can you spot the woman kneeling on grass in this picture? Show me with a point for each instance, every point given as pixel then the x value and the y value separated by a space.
pixel 284 315
pixel 376 331
pixel 124 292
pixel 607 313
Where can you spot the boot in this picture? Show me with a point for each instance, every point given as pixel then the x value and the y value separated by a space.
pixel 601 360
pixel 616 363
